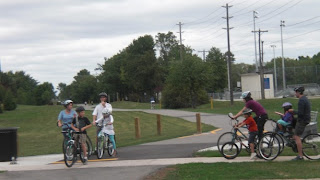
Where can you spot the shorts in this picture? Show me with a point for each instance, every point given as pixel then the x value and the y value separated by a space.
pixel 252 136
pixel 300 126
pixel 83 138
pixel 283 123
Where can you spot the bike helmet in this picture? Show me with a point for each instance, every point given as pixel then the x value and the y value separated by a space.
pixel 299 89
pixel 247 111
pixel 246 94
pixel 67 102
pixel 80 109
pixel 286 104
pixel 103 94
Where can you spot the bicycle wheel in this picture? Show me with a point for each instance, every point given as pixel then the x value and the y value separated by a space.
pixel 64 145
pixel 280 139
pixel 70 154
pixel 229 150
pixel 225 137
pixel 89 146
pixel 100 147
pixel 110 148
pixel 311 146
pixel 269 146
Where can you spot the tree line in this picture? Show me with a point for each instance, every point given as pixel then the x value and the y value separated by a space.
pixel 20 88
pixel 151 67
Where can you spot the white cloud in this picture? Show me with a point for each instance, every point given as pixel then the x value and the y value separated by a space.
pixel 53 40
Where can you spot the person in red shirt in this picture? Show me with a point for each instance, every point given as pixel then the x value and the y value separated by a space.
pixel 252 127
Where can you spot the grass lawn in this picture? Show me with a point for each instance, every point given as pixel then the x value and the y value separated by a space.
pixel 244 170
pixel 38 133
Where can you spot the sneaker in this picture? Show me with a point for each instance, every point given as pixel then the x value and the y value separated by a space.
pixel 85 162
pixel 253 156
pixel 115 153
pixel 298 158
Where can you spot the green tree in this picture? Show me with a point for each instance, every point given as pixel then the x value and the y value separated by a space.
pixel 84 87
pixel 217 65
pixel 186 83
pixel 9 102
pixel 44 93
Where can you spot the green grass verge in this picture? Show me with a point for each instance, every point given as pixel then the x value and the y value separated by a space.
pixel 38 133
pixel 245 170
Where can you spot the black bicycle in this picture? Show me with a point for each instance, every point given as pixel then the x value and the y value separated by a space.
pixel 272 148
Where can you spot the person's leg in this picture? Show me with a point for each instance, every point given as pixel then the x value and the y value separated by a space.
pixel 113 141
pixel 300 126
pixel 83 144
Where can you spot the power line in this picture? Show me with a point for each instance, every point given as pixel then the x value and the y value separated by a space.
pixel 280 12
pixel 290 25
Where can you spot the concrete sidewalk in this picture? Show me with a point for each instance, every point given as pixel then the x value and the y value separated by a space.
pixel 48 162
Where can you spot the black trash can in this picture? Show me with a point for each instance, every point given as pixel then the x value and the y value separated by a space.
pixel 9 144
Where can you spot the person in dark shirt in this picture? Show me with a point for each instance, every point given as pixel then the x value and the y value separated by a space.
pixel 304 118
pixel 80 124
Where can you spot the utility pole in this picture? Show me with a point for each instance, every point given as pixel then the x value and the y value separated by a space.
pixel 261 64
pixel 180 32
pixel 204 54
pixel 255 41
pixel 283 68
pixel 229 54
pixel 275 68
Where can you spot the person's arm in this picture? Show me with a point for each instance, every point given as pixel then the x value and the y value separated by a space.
pixel 60 119
pixel 280 114
pixel 240 124
pixel 301 105
pixel 94 115
pixel 98 120
pixel 73 127
pixel 87 126
pixel 111 120
pixel 239 113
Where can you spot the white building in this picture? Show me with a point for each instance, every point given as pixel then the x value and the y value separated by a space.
pixel 251 82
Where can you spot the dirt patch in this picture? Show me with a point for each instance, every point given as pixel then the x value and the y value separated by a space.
pixel 160 174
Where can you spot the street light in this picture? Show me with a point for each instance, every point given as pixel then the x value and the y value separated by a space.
pixel 283 70
pixel 255 44
pixel 275 69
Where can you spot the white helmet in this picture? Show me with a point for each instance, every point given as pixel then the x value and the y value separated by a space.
pixel 67 102
pixel 245 94
pixel 106 111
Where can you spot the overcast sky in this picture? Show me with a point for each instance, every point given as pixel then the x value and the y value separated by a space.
pixel 53 40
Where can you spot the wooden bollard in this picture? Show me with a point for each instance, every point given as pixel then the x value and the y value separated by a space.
pixel 199 129
pixel 137 127
pixel 159 128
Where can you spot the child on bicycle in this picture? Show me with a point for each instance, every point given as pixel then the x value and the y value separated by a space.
pixel 286 118
pixel 253 130
pixel 107 122
pixel 80 124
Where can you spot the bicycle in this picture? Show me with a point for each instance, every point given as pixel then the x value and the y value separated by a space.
pixel 69 137
pixel 227 136
pixel 72 148
pixel 104 143
pixel 231 150
pixel 310 144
